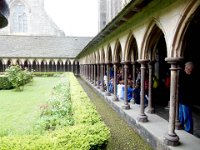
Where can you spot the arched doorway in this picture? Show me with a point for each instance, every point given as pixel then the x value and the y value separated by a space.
pixel 190 52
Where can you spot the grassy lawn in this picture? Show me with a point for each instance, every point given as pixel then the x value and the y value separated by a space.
pixel 20 110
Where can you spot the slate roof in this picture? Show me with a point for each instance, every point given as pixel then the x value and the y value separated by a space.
pixel 42 46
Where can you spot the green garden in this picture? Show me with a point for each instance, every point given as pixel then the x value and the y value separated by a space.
pixel 53 112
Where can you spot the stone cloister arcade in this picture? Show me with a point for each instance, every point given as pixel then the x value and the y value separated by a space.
pixel 40 65
pixel 161 42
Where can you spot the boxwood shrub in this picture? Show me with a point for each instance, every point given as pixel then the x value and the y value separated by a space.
pixel 5 84
pixel 46 74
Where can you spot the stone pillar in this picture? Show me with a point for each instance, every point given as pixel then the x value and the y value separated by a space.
pixel 134 79
pixel 39 66
pixel 126 104
pixel 98 76
pixel 3 67
pixel 142 117
pixel 115 98
pixel 102 75
pixel 63 66
pixel 107 93
pixel 95 84
pixel 30 62
pixel 92 73
pixel 150 108
pixel 177 122
pixel 45 66
pixel 85 71
pixel 88 72
pixel 48 67
pixel 171 138
pixel 133 71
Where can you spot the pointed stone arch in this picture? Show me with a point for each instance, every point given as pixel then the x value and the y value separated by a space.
pixel 102 56
pixel 93 58
pixel 117 52
pixel 51 65
pixel 108 54
pixel 9 62
pixel 43 65
pixel 35 65
pixel 97 57
pixel 131 49
pixel 192 9
pixel 155 50
pixel 152 36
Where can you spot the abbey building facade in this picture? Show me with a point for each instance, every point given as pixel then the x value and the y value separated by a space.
pixel 31 39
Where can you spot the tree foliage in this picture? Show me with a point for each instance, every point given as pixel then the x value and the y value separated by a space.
pixel 18 77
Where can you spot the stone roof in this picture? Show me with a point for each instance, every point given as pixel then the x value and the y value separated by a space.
pixel 42 46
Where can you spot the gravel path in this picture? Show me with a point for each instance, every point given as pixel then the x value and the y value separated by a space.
pixel 123 137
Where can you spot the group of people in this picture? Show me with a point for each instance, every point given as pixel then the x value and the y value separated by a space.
pixel 187 93
pixel 133 93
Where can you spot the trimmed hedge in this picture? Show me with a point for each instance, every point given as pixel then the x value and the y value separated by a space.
pixel 46 74
pixel 5 84
pixel 88 132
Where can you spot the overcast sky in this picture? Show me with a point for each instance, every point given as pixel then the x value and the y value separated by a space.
pixel 74 17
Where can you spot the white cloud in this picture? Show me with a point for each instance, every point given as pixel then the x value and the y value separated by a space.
pixel 74 17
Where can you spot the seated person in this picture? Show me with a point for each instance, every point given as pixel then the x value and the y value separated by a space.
pixel 136 92
pixel 111 85
pixel 120 86
pixel 129 91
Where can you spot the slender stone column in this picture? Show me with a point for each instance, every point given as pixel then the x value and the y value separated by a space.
pixel 95 84
pixel 92 73
pixel 126 104
pixel 64 67
pixel 81 70
pixel 132 101
pixel 98 76
pixel 102 80
pixel 39 65
pixel 107 93
pixel 171 138
pixel 45 67
pixel 88 77
pixel 150 108
pixel 133 71
pixel 177 122
pixel 84 71
pixel 142 117
pixel 115 98
pixel 89 73
pixel 48 67
pixel 3 67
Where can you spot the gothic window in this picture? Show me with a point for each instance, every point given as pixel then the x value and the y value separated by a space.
pixel 19 19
